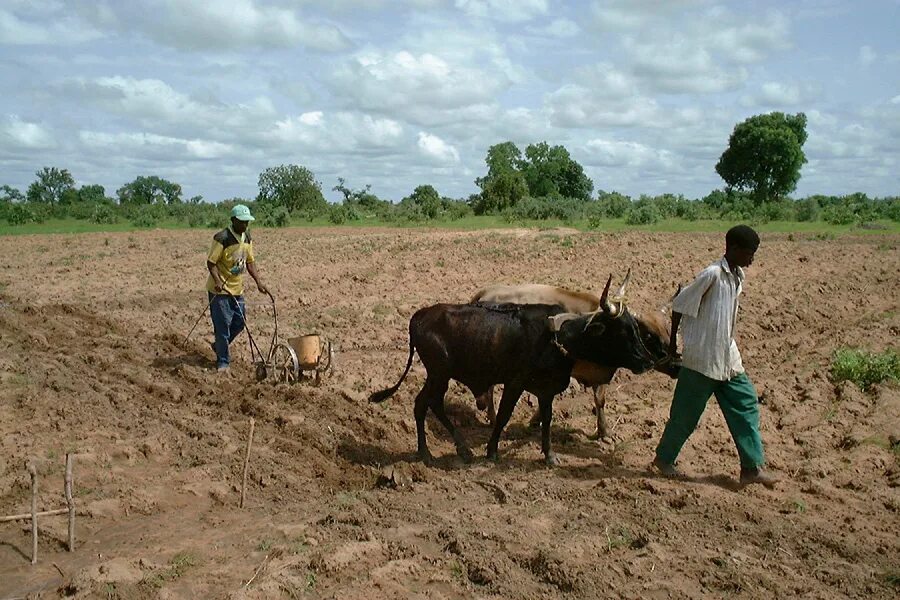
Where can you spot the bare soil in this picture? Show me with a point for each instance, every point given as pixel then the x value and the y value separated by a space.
pixel 92 362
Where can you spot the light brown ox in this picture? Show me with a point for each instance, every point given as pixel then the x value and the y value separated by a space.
pixel 586 373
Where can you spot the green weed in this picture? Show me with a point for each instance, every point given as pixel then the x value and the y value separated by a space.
pixel 865 369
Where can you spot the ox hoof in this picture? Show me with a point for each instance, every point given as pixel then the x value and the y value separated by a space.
pixel 551 460
pixel 600 437
pixel 465 454
pixel 493 456
pixel 426 457
pixel 481 403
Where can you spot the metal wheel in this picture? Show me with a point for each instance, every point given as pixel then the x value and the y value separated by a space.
pixel 285 365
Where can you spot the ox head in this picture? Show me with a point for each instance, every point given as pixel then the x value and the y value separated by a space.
pixel 612 336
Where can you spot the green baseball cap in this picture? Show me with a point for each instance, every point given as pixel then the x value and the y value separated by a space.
pixel 241 213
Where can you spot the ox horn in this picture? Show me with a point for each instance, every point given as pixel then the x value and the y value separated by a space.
pixel 604 297
pixel 620 294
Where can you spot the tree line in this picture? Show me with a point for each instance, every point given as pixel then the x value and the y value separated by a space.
pixel 760 166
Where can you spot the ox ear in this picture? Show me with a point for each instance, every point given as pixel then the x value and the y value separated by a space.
pixel 556 321
pixel 595 327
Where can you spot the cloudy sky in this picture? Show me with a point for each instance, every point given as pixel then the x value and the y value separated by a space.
pixel 398 93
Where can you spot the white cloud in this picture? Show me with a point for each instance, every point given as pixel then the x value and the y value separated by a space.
pixel 773 94
pixel 577 106
pixel 617 153
pixel 434 147
pixel 189 25
pixel 18 134
pixel 394 82
pixel 746 42
pixel 512 11
pixel 47 26
pixel 329 133
pixel 681 65
pixel 867 55
pixel 558 28
pixel 149 144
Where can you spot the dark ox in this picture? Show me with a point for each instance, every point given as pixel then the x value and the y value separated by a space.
pixel 595 376
pixel 524 347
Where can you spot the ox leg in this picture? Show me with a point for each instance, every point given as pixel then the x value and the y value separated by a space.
pixel 423 402
pixel 545 405
pixel 507 404
pixel 437 407
pixel 599 409
pixel 486 402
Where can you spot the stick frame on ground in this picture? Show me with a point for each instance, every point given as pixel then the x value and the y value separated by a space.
pixel 247 461
pixel 70 501
pixel 34 513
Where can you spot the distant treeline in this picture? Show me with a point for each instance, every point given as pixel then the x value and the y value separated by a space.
pixel 290 193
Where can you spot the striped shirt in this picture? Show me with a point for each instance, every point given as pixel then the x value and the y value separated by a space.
pixel 710 307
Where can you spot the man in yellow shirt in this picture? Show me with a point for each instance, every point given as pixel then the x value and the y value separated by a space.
pixel 230 255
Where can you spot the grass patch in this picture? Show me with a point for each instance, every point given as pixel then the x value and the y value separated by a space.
pixel 178 566
pixel 892 578
pixel 264 545
pixel 863 368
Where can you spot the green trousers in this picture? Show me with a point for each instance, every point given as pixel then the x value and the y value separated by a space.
pixel 739 405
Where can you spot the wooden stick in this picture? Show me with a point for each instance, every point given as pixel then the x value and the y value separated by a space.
pixel 34 516
pixel 43 513
pixel 247 461
pixel 70 501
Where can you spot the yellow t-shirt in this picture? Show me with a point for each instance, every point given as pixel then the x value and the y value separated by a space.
pixel 231 254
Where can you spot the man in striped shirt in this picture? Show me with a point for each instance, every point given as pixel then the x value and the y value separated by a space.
pixel 711 362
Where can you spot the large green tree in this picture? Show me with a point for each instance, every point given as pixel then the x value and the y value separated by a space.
pixel 51 185
pixel 149 190
pixel 427 199
pixel 504 185
pixel 764 155
pixel 291 186
pixel 551 171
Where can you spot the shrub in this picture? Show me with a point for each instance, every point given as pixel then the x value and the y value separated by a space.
pixel 807 209
pixel 613 205
pixel 19 214
pixel 644 214
pixel 145 217
pixel 104 215
pixel 839 215
pixel 865 369
pixel 456 210
pixel 341 213
pixel 548 207
pixel 275 217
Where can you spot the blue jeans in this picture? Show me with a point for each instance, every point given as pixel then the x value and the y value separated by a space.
pixel 227 313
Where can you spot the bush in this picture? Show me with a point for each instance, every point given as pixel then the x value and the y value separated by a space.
pixel 807 209
pixel 644 214
pixel 19 214
pixel 275 217
pixel 542 209
pixel 613 205
pixel 339 214
pixel 104 214
pixel 455 210
pixel 839 215
pixel 145 216
pixel 865 369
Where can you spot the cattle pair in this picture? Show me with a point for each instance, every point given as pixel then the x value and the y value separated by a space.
pixel 524 346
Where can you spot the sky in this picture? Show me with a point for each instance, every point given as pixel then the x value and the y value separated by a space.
pixel 398 93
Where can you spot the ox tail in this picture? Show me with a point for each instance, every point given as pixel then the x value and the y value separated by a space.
pixel 386 393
